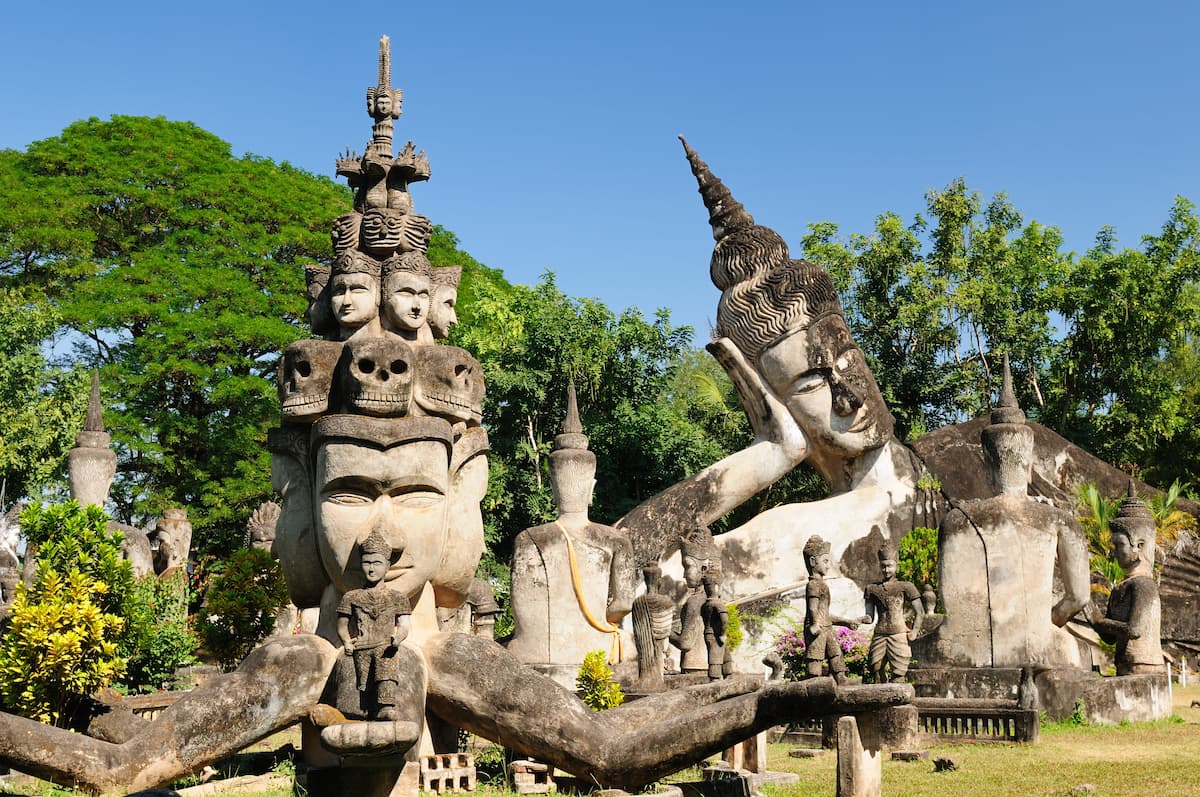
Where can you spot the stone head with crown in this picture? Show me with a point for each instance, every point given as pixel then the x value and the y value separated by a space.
pixel 380 431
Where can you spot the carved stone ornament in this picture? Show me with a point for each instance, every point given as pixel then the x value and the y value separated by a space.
pixel 305 377
pixel 449 384
pixel 377 376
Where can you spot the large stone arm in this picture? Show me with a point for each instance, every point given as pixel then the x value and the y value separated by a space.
pixel 275 687
pixel 779 445
pixel 477 685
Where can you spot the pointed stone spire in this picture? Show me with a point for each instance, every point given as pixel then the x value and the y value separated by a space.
pixel 385 62
pixel 725 213
pixel 1007 410
pixel 572 435
pixel 92 463
pixel 95 415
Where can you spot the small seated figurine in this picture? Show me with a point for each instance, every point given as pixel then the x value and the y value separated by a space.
pixel 382 617
pixel 715 616
pixel 1134 617
pixel 820 642
pixel 885 600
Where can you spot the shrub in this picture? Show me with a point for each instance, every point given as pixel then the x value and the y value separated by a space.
pixel 59 644
pixel 790 647
pixel 595 683
pixel 917 557
pixel 159 638
pixel 68 537
pixel 245 593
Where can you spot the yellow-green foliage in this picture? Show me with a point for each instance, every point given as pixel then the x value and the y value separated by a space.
pixel 918 557
pixel 733 630
pixel 595 683
pixel 59 644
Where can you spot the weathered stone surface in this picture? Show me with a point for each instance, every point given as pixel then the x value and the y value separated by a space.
pixel 860 757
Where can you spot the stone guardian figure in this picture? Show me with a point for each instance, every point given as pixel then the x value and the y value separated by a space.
pixel 1134 617
pixel 652 616
pixel 885 601
pixel 382 619
pixel 820 641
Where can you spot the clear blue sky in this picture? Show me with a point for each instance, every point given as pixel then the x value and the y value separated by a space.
pixel 551 126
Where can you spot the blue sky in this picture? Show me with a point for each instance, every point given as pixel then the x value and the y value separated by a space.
pixel 551 126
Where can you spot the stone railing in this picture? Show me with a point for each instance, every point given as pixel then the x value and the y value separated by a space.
pixel 975 721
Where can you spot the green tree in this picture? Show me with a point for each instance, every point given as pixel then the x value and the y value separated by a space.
pixel 41 407
pixel 182 280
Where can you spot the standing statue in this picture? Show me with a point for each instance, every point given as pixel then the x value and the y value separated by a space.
pixel 715 616
pixel 820 642
pixel 1134 617
pixel 652 616
pixel 572 580
pixel 885 601
pixel 381 618
pixel 699 556
pixel 351 469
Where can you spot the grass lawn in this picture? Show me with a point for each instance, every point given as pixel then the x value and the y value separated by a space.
pixel 1145 760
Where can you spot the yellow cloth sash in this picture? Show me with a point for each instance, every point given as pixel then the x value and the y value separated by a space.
pixel 616 652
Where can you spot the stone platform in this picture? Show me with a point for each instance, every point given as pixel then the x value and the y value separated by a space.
pixel 1106 700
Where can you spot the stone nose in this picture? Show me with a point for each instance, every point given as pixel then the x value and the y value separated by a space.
pixel 385 521
pixel 846 400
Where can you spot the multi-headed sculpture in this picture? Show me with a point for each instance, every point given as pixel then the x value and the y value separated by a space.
pixel 381 444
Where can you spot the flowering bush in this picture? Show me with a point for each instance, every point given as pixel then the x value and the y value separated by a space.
pixel 790 647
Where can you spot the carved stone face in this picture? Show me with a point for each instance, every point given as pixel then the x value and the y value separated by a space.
pixel 694 571
pixel 402 490
pixel 377 376
pixel 888 568
pixel 406 300
pixel 448 384
pixel 442 314
pixel 355 300
pixel 823 379
pixel 345 232
pixel 382 231
pixel 305 377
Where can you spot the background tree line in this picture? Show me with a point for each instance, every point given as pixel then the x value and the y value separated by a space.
pixel 144 247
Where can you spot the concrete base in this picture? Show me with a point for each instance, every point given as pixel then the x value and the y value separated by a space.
pixel 364 781
pixel 1106 700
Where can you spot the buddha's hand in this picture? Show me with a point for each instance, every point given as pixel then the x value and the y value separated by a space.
pixel 769 418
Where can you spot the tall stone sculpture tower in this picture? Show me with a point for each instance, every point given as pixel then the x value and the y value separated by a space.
pixel 92 462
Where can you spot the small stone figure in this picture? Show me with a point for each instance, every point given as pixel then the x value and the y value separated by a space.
pixel 885 600
pixel 381 617
pixel 652 616
pixel 715 616
pixel 820 641
pixel 698 554
pixel 1133 620
pixel 406 288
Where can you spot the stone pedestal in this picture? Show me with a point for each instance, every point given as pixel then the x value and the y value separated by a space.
pixel 750 755
pixel 898 728
pixel 391 781
pixel 860 757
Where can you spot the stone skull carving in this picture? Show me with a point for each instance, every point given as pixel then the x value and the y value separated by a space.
pixel 305 378
pixel 377 376
pixel 449 384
